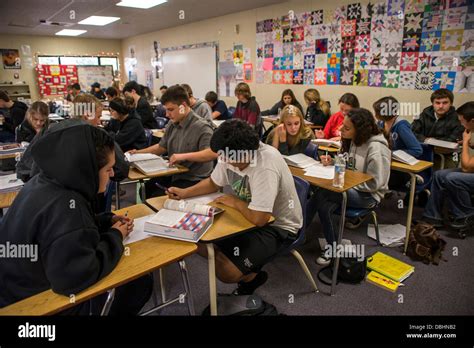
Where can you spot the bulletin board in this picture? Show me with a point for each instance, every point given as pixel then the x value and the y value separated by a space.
pixel 88 74
pixel 54 79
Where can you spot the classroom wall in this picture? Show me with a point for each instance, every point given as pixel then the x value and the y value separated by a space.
pixel 221 29
pixel 51 45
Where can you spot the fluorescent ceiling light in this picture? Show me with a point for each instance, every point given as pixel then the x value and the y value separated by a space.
pixel 71 32
pixel 98 20
pixel 141 3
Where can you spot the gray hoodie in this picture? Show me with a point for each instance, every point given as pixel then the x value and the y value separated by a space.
pixel 202 109
pixel 373 158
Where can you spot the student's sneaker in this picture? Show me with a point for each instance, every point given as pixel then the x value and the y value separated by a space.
pixel 419 179
pixel 323 260
pixel 248 288
pixel 354 223
pixel 461 223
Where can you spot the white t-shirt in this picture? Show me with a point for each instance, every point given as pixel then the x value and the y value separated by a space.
pixel 267 185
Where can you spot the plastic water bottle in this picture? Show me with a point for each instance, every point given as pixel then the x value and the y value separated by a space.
pixel 339 171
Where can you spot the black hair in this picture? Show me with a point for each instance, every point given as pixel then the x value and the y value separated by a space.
pixel 164 86
pixel 132 85
pixel 234 135
pixel 386 108
pixel 104 145
pixel 120 105
pixel 112 91
pixel 441 94
pixel 365 126
pixel 211 97
pixel 4 96
pixel 350 99
pixel 175 94
pixel 76 86
pixel 466 111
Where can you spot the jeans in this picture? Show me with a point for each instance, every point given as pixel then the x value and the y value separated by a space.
pixel 456 187
pixel 327 202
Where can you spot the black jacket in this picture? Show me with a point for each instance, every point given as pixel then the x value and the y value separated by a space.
pixel 26 168
pixel 447 128
pixel 53 211
pixel 15 117
pixel 26 132
pixel 316 116
pixel 99 95
pixel 145 112
pixel 131 134
pixel 278 107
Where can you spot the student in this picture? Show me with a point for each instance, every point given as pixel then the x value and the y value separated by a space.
pixel 111 93
pixel 75 248
pixel 199 106
pixel 75 90
pixel 287 98
pixel 69 96
pixel 318 110
pixel 439 120
pixel 147 94
pixel 401 138
pixel 262 187
pixel 368 152
pixel 291 136
pixel 455 186
pixel 15 116
pixel 186 141
pixel 142 107
pixel 247 108
pixel 332 130
pixel 163 89
pixel 218 107
pixel 96 91
pixel 36 119
pixel 130 134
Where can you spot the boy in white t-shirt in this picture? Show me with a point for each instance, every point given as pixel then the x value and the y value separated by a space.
pixel 262 187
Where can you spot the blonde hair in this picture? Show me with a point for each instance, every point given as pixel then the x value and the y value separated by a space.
pixel 243 89
pixel 80 101
pixel 39 108
pixel 304 133
pixel 312 96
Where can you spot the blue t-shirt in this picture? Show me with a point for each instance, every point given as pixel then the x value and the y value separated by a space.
pixel 222 108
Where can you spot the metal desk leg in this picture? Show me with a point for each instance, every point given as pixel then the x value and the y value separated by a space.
pixel 342 221
pixel 162 285
pixel 187 287
pixel 108 303
pixel 410 209
pixel 212 278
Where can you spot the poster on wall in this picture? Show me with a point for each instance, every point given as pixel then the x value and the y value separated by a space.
pixel 11 59
pixel 227 76
pixel 247 55
pixel 228 55
pixel 238 54
pixel 54 79
pixel 149 79
pixel 248 72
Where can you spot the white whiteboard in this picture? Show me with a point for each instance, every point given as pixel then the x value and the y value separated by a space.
pixel 195 66
pixel 88 74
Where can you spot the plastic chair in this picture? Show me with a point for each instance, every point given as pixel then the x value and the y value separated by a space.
pixel 302 189
pixel 355 213
pixel 149 136
pixel 312 150
pixel 231 110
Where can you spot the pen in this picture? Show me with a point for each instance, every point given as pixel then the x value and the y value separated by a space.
pixel 164 188
pixel 126 213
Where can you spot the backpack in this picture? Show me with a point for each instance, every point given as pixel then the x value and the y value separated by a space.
pixel 425 244
pixel 243 305
pixel 351 271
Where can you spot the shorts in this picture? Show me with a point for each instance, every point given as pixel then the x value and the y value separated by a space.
pixel 250 251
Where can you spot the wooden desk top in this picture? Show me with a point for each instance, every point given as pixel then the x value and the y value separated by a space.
pixel 226 224
pixel 143 257
pixel 402 167
pixel 328 149
pixel 352 179
pixel 10 155
pixel 6 199
pixel 159 133
pixel 135 174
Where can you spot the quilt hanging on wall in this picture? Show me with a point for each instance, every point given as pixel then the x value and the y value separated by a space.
pixel 408 44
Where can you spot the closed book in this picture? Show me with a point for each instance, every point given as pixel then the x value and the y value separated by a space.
pixel 389 266
pixel 382 281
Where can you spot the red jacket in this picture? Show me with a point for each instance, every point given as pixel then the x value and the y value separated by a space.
pixel 333 127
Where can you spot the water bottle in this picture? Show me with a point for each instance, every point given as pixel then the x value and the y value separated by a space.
pixel 339 171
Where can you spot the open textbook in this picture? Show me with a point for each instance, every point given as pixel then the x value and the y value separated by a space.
pixel 148 163
pixel 402 156
pixel 182 220
pixel 442 143
pixel 10 183
pixel 300 160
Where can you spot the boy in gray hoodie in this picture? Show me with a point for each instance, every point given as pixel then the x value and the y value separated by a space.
pixel 199 106
pixel 368 152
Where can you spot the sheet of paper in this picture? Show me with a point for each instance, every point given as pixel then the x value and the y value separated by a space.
pixel 320 171
pixel 140 157
pixel 205 199
pixel 138 232
pixel 167 217
pixel 390 235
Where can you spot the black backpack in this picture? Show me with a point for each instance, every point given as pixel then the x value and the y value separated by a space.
pixel 351 271
pixel 243 305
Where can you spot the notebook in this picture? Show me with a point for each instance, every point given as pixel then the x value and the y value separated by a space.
pixel 300 160
pixel 327 142
pixel 148 163
pixel 402 156
pixel 389 266
pixel 442 143
pixel 10 183
pixel 382 281
pixel 6 149
pixel 182 220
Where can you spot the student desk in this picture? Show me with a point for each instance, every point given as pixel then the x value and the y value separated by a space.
pixel 158 133
pixel 10 155
pixel 329 149
pixel 6 199
pixel 351 179
pixel 442 152
pixel 144 257
pixel 226 224
pixel 412 170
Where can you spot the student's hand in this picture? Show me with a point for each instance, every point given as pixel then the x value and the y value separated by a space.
pixel 131 152
pixel 228 200
pixel 319 134
pixel 281 131
pixel 335 139
pixel 176 193
pixel 326 160
pixel 466 138
pixel 122 219
pixel 177 157
pixel 124 228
